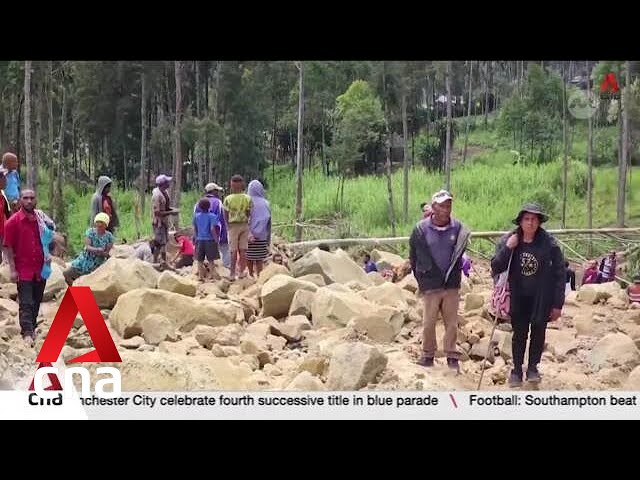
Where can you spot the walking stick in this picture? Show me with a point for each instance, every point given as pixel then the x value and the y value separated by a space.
pixel 486 355
pixel 502 285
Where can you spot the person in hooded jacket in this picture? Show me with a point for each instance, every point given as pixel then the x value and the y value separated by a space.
pixel 103 202
pixel 537 276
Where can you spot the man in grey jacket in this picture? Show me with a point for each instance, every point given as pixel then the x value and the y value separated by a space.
pixel 436 246
pixel 103 202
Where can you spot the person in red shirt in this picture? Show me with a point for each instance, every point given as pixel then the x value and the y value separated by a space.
pixel 185 252
pixel 26 258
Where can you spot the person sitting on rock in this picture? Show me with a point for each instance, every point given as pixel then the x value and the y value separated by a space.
pixel 634 290
pixel 98 243
pixel 591 273
pixel 369 265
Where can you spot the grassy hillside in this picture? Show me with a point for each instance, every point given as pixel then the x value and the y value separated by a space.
pixel 488 191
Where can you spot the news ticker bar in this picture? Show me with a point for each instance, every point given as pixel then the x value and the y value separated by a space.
pixel 400 405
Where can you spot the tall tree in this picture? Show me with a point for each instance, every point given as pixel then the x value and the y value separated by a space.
pixel 31 173
pixel 447 164
pixel 392 213
pixel 177 165
pixel 298 229
pixel 468 122
pixel 625 105
pixel 405 155
pixel 144 100
pixel 589 159
pixel 565 163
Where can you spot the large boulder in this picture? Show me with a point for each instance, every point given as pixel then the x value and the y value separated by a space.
pixel 386 260
pixel 381 326
pixel 595 292
pixel 314 278
pixel 155 371
pixel 306 382
pixel 301 303
pixel 334 267
pixel 633 380
pixel 55 283
pixel 278 292
pixel 157 328
pixel 354 365
pixel 271 270
pixel 116 277
pixel 171 282
pixel 123 251
pixel 386 294
pixel 182 311
pixel 614 349
pixel 409 283
pixel 331 308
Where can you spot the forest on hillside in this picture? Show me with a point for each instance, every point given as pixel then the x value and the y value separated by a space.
pixel 206 120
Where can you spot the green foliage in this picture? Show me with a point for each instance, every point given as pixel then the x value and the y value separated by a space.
pixel 360 120
pixel 533 122
pixel 577 177
pixel 427 150
pixel 546 199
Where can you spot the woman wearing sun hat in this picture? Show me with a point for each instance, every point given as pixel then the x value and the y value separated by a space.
pixel 98 242
pixel 537 277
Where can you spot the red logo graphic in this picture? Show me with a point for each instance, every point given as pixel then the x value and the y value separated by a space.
pixel 609 84
pixel 79 299
pixel 53 378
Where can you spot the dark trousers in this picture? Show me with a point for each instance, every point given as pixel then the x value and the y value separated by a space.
pixel 29 297
pixel 520 324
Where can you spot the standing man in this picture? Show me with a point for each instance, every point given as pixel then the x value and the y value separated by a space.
pixel 436 246
pixel 212 192
pixel 161 209
pixel 103 202
pixel 26 259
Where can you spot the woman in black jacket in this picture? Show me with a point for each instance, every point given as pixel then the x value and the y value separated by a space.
pixel 537 284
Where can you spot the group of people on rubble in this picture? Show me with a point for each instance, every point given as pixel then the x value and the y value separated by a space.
pixel 236 229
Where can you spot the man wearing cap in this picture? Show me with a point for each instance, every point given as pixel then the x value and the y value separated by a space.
pixel 212 193
pixel 161 209
pixel 436 246
pixel 536 279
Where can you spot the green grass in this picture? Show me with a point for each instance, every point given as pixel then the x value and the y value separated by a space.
pixel 488 191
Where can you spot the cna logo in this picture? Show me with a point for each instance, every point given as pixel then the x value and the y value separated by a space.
pixel 609 87
pixel 76 300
